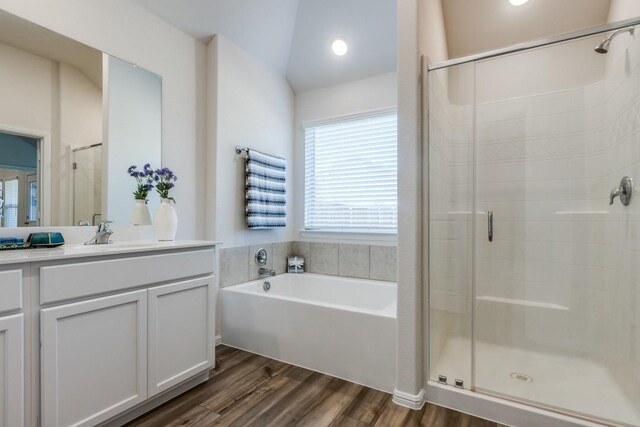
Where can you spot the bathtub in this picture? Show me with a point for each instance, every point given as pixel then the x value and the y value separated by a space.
pixel 338 326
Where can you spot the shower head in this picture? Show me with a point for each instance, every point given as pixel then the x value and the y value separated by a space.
pixel 604 46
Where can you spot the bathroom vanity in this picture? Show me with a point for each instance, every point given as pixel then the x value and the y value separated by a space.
pixel 101 334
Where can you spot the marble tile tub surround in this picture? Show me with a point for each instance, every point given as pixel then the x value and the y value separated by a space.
pixel 374 262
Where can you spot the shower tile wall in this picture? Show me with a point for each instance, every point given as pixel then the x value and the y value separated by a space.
pixel 546 165
pixel 562 273
pixel 374 262
pixel 622 157
pixel 539 168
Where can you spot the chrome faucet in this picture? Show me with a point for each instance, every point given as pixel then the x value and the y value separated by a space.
pixel 266 272
pixel 103 233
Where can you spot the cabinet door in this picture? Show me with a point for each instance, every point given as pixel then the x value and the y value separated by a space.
pixel 181 332
pixel 94 359
pixel 11 371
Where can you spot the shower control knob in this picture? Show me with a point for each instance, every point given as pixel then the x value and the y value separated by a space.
pixel 624 191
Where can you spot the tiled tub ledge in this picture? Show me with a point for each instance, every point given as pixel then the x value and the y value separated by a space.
pixel 373 262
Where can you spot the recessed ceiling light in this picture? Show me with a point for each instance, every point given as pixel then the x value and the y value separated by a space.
pixel 339 47
pixel 518 2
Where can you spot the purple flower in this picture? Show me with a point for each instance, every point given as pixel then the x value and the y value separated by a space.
pixel 144 180
pixel 164 178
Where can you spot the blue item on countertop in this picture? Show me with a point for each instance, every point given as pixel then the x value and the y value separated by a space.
pixel 45 240
pixel 11 240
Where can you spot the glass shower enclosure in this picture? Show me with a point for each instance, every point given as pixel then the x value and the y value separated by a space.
pixel 534 269
pixel 87 185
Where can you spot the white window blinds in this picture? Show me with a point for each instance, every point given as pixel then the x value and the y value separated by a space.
pixel 351 175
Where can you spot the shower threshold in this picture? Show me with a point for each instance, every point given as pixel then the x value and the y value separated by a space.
pixel 561 382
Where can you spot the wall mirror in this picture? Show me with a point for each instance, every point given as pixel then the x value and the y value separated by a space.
pixel 72 120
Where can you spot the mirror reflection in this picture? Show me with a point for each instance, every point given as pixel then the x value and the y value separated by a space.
pixel 19 179
pixel 72 120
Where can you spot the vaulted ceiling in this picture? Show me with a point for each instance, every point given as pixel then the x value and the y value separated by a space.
pixel 368 26
pixel 294 36
pixel 262 27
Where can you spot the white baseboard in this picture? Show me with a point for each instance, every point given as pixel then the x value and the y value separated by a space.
pixel 218 340
pixel 408 400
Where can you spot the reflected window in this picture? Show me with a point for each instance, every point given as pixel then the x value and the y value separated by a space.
pixel 33 201
pixel 10 206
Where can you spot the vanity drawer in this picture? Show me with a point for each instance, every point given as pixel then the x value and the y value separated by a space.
pixel 10 290
pixel 71 281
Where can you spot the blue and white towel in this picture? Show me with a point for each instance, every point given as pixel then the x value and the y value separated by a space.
pixel 266 204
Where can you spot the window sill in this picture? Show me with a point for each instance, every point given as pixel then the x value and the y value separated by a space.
pixel 343 236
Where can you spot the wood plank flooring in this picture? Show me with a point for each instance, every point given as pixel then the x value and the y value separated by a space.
pixel 250 390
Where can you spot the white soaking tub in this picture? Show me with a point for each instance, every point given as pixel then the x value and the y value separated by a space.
pixel 335 325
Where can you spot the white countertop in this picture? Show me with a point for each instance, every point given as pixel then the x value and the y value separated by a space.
pixel 78 250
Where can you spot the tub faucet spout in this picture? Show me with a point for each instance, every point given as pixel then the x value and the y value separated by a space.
pixel 266 272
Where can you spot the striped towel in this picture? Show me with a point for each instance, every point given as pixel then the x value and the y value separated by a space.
pixel 266 191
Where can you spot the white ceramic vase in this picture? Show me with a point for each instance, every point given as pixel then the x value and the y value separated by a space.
pixel 166 221
pixel 140 214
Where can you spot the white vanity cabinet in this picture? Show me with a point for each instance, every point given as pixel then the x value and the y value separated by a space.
pixel 94 359
pixel 181 329
pixel 119 333
pixel 11 371
pixel 11 348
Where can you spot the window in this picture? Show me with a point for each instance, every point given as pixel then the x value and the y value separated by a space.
pixel 11 203
pixel 351 175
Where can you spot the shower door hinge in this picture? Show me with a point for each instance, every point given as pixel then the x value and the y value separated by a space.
pixel 75 165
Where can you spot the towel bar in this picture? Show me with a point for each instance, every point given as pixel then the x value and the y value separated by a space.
pixel 241 150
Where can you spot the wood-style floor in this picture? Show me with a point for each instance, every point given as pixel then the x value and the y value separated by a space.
pixel 250 390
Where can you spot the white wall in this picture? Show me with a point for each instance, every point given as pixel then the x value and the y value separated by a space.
pixel 420 32
pixel 549 69
pixel 410 208
pixel 26 90
pixel 125 30
pixel 133 135
pixel 252 106
pixel 431 31
pixel 623 9
pixel 360 96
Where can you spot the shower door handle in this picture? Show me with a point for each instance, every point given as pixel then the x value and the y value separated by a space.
pixel 490 225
